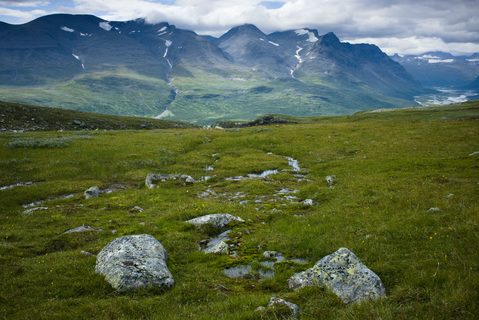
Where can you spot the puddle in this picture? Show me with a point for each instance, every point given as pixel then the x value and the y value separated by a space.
pixel 20 184
pixel 266 271
pixel 114 187
pixel 214 241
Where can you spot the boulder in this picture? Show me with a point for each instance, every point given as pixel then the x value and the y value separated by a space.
pixel 136 261
pixel 277 301
pixel 217 220
pixel 344 274
pixel 220 248
pixel 93 192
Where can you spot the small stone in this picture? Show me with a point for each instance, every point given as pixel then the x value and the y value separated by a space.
pixel 434 209
pixel 80 229
pixel 220 248
pixel 92 192
pixel 86 253
pixel 329 179
pixel 293 307
pixel 114 231
pixel 450 195
pixel 136 209
pixel 309 202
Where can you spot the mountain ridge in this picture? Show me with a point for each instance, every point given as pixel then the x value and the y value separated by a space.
pixel 134 68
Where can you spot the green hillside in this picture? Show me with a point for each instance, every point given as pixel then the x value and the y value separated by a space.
pixel 391 168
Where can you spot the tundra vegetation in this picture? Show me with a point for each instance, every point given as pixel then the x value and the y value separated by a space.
pixel 390 169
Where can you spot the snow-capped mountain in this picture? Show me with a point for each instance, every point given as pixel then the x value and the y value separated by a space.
pixel 440 69
pixel 138 68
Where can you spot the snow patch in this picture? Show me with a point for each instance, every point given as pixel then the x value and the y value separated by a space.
pixel 85 34
pixel 274 44
pixel 162 29
pixel 67 29
pixel 160 34
pixel 472 60
pixel 312 37
pixel 297 54
pixel 76 57
pixel 168 43
pixel 105 25
pixel 261 39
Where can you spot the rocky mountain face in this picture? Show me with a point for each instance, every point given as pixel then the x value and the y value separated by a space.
pixel 133 68
pixel 441 69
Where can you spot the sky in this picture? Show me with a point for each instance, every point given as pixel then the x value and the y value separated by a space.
pixel 395 26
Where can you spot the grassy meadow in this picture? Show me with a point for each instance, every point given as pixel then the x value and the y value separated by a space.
pixel 391 168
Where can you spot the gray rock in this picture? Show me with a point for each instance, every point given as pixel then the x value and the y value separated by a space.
pixel 217 220
pixel 93 192
pixel 80 229
pixel 220 248
pixel 309 202
pixel 32 210
pixel 434 209
pixel 293 307
pixel 152 178
pixel 344 274
pixel 474 153
pixel 136 261
pixel 272 254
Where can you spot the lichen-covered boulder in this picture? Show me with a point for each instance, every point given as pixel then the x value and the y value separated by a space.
pixel 220 248
pixel 344 274
pixel 93 192
pixel 137 261
pixel 216 220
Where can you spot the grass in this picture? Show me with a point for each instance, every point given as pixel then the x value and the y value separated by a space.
pixel 391 168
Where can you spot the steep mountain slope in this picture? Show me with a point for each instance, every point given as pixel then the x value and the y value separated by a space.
pixel 133 68
pixel 440 69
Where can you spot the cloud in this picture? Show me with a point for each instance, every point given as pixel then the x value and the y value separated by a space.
pixel 411 25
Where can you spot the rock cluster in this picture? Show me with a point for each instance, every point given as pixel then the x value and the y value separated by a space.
pixel 344 274
pixel 152 178
pixel 137 261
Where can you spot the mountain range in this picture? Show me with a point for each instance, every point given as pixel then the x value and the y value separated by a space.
pixel 441 69
pixel 134 68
